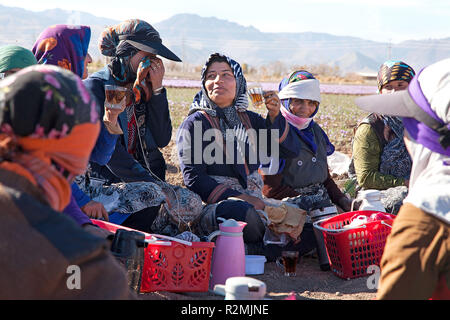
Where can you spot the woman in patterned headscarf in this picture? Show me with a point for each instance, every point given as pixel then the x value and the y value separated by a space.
pixel 380 159
pixel 67 46
pixel 133 46
pixel 48 126
pixel 230 188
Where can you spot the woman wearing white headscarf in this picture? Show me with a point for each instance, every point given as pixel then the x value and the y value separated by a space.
pixel 415 262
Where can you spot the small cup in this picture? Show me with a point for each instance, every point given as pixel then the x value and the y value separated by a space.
pixel 115 96
pixel 288 262
pixel 256 95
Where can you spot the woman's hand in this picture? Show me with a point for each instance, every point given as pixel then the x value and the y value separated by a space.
pixel 256 202
pixel 111 114
pixel 346 204
pixel 95 210
pixel 273 104
pixel 156 73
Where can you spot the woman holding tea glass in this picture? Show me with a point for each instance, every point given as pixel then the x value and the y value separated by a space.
pixel 309 172
pixel 136 172
pixel 227 178
pixel 305 179
pixel 67 46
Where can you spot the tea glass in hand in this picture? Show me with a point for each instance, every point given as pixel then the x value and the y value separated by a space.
pixel 288 262
pixel 256 93
pixel 115 96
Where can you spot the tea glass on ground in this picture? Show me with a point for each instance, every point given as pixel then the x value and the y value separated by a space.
pixel 115 96
pixel 288 261
pixel 256 94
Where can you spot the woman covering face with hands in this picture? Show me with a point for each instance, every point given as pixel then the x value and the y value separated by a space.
pixel 136 171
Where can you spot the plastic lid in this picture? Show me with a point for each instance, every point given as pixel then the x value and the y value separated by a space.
pixel 245 285
pixel 230 223
pixel 255 258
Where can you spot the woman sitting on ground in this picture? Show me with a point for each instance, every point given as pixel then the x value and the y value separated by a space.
pixel 305 180
pixel 48 127
pixel 133 181
pixel 308 174
pixel 67 46
pixel 226 176
pixel 379 159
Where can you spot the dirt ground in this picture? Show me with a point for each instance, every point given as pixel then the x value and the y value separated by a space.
pixel 310 283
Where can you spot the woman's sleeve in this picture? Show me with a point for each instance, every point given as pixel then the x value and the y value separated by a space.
pixel 158 119
pixel 275 189
pixel 104 146
pixel 80 197
pixel 73 210
pixel 333 190
pixel 280 131
pixel 366 157
pixel 194 168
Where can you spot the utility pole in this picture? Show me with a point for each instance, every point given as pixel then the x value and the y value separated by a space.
pixel 389 49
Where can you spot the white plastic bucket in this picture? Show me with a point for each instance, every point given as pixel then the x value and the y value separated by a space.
pixel 254 264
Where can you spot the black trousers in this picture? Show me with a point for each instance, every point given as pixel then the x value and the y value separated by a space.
pixel 142 220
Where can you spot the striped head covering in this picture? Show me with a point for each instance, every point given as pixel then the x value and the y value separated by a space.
pixel 65 46
pixel 394 70
pixel 15 57
pixel 49 124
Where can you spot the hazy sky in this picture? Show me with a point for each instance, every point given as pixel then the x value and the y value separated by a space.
pixel 379 20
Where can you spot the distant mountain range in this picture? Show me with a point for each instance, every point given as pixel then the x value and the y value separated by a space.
pixel 193 38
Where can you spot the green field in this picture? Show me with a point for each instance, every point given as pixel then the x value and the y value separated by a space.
pixel 338 114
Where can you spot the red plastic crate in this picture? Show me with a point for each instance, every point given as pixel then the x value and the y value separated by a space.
pixel 170 265
pixel 352 251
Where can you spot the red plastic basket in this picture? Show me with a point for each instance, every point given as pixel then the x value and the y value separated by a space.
pixel 171 264
pixel 351 251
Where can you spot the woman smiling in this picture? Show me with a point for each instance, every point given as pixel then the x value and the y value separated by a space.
pixel 231 189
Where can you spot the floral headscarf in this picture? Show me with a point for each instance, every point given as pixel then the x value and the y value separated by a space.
pixel 65 46
pixel 49 124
